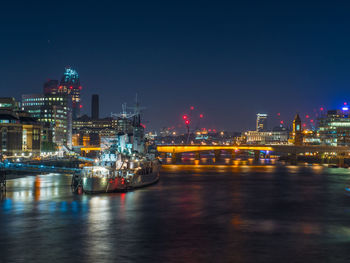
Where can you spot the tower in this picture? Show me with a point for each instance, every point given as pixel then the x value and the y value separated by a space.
pixel 297 134
pixel 95 107
pixel 70 85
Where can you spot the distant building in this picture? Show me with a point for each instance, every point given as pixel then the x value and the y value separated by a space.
pixel 261 122
pixel 9 104
pixel 297 133
pixel 334 127
pixel 70 85
pixel 267 137
pixel 95 107
pixel 89 132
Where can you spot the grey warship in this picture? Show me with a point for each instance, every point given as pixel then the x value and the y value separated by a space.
pixel 125 165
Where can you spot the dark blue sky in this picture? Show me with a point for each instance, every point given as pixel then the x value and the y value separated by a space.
pixel 229 59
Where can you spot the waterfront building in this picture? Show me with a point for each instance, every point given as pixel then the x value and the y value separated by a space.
pixel 261 122
pixel 334 127
pixel 9 104
pixel 311 137
pixel 267 137
pixel 19 131
pixel 70 85
pixel 31 134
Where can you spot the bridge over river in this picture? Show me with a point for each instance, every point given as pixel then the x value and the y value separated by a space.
pixel 292 150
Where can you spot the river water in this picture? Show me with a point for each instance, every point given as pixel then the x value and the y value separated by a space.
pixel 194 214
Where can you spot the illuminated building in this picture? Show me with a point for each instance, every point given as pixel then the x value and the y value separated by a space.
pixel 268 137
pixel 93 130
pixel 297 134
pixel 9 104
pixel 70 85
pixel 334 127
pixel 19 132
pixel 31 134
pixel 311 137
pixel 261 122
pixel 54 112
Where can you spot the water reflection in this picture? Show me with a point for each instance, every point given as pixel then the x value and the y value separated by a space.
pixel 234 212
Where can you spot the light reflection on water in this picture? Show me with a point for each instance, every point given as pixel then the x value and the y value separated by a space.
pixel 195 213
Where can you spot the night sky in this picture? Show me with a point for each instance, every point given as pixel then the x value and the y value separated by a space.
pixel 230 60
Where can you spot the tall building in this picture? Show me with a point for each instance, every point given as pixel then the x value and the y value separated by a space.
pixel 70 85
pixel 261 122
pixel 95 107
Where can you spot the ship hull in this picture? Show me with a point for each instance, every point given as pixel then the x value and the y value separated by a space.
pixel 96 184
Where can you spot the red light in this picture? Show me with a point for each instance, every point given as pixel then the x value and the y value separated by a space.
pixel 142 125
pixel 184 117
pixel 209 130
pixel 191 108
pixel 214 130
pixel 80 87
pixel 307 116
pixel 187 122
pixel 200 115
pixel 311 120
pixel 60 87
pixel 304 125
pixel 321 109
pixel 345 103
pixel 81 106
pixel 281 122
pixel 278 114
pixel 71 87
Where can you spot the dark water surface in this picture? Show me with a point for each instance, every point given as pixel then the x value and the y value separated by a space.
pixel 194 214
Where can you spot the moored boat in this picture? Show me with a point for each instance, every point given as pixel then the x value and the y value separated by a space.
pixel 124 165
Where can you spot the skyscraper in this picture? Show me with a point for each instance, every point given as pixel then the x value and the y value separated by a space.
pixel 70 85
pixel 261 122
pixel 95 107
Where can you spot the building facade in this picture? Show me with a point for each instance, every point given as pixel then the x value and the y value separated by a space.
pixel 70 85
pixel 54 112
pixel 19 132
pixel 334 128
pixel 261 122
pixel 269 137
